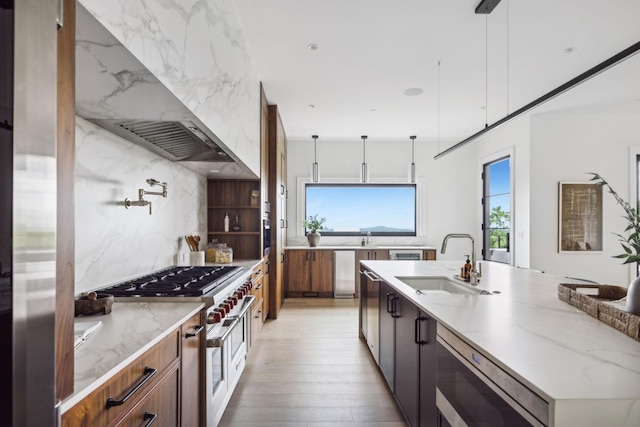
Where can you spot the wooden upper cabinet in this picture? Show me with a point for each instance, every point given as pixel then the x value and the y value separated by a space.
pixel 65 243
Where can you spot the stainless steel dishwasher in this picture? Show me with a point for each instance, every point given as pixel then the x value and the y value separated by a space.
pixel 345 274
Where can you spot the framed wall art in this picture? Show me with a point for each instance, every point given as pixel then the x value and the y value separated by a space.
pixel 580 217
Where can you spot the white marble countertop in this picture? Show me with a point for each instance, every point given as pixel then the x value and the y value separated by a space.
pixel 587 371
pixel 130 330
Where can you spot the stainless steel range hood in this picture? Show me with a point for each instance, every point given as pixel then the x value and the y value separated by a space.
pixel 175 141
pixel 117 92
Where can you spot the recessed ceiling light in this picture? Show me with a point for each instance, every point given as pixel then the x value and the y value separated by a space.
pixel 312 46
pixel 214 171
pixel 373 110
pixel 311 106
pixel 413 91
pixel 570 49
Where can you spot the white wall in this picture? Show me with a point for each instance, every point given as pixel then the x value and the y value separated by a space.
pixel 446 192
pixel 564 147
pixel 114 243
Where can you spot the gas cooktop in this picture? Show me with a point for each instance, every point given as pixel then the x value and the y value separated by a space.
pixel 175 281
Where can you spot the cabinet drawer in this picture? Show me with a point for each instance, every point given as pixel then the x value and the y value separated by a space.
pixel 256 320
pixel 93 411
pixel 258 271
pixel 160 405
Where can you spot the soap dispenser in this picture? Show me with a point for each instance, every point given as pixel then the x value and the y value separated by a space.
pixel 467 270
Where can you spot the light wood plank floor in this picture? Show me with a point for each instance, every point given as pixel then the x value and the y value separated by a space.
pixel 308 368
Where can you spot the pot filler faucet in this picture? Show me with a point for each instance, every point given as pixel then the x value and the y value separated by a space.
pixel 475 275
pixel 141 192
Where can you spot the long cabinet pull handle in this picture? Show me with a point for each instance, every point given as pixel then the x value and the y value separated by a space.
pixel 389 310
pixel 371 275
pixel 195 332
pixel 151 417
pixel 147 374
pixel 314 256
pixel 394 311
pixel 417 337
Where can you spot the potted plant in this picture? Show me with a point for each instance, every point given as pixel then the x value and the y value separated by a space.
pixel 630 244
pixel 313 224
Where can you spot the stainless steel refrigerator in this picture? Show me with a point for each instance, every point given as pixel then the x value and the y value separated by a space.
pixel 27 212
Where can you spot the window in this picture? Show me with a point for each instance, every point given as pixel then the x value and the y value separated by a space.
pixel 356 209
pixel 497 210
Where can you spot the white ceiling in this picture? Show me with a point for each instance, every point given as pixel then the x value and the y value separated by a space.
pixel 371 51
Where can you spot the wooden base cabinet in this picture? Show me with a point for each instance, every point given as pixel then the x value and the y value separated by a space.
pixel 309 273
pixel 260 308
pixel 193 335
pixel 415 363
pixel 404 349
pixel 159 407
pixel 162 387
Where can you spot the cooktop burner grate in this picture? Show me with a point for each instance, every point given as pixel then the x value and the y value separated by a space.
pixel 175 281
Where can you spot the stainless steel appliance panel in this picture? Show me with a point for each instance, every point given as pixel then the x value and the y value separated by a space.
pixel 405 254
pixel 345 272
pixel 34 213
pixel 473 391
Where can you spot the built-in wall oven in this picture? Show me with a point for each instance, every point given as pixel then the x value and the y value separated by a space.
pixel 473 391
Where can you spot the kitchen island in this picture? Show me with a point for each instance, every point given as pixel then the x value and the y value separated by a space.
pixel 588 372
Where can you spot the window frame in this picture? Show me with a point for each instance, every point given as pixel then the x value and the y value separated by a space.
pixel 484 217
pixel 302 206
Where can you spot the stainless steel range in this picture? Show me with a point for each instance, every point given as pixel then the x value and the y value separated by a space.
pixel 226 292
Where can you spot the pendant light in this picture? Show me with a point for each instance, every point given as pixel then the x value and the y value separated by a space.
pixel 314 166
pixel 412 166
pixel 364 171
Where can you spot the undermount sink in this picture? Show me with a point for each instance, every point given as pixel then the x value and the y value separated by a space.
pixel 439 285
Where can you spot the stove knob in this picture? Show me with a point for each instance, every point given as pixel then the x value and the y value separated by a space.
pixel 229 301
pixel 222 310
pixel 227 306
pixel 234 298
pixel 214 317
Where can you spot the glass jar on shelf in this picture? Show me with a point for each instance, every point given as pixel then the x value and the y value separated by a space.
pixel 224 255
pixel 210 254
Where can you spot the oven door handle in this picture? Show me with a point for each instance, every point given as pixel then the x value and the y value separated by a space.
pixel 219 341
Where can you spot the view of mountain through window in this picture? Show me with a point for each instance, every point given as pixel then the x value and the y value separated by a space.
pixel 355 209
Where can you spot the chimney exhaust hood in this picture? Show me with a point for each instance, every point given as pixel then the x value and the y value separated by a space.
pixel 117 92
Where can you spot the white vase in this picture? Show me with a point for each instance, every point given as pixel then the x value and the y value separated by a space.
pixel 633 297
pixel 313 238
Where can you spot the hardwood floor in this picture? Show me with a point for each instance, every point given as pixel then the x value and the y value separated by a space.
pixel 308 368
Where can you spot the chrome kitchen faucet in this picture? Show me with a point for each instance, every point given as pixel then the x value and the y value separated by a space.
pixel 475 275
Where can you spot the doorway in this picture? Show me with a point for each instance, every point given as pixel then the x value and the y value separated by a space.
pixel 496 201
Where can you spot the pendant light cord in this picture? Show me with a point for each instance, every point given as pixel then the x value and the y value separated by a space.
pixel 486 71
pixel 438 106
pixel 508 59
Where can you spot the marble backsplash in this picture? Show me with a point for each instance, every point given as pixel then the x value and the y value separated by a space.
pixel 114 243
